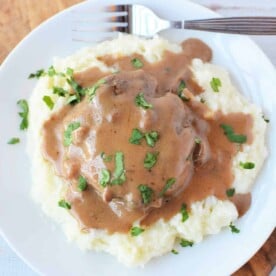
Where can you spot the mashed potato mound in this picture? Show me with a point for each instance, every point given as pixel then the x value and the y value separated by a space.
pixel 206 217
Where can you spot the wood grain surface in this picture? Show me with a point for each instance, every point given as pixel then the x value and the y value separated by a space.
pixel 19 17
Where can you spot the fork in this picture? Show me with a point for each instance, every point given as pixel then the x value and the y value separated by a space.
pixel 141 21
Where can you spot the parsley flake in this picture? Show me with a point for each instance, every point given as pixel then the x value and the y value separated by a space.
pixel 78 90
pixel 64 204
pixel 167 186
pixel 137 63
pixel 230 192
pixel 247 165
pixel 150 159
pixel 184 212
pixel 69 72
pixel 24 114
pixel 232 136
pixel 106 158
pixel 60 91
pixel 215 84
pixel 151 138
pixel 48 101
pixel 13 141
pixel 141 102
pixel 68 139
pixel 91 91
pixel 146 193
pixel 73 99
pixel 136 231
pixel 175 252
pixel 104 177
pixel 180 89
pixel 82 183
pixel 136 137
pixel 37 74
pixel 52 71
pixel 234 229
pixel 119 176
pixel 76 87
pixel 186 243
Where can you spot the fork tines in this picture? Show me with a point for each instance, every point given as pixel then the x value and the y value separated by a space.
pixel 119 14
pixel 118 8
pixel 106 22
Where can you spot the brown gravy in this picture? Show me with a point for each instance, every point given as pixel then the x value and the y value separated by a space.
pixel 106 123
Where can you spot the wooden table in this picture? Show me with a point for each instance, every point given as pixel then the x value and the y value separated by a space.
pixel 19 17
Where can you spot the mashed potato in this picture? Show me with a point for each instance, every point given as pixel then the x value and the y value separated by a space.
pixel 206 217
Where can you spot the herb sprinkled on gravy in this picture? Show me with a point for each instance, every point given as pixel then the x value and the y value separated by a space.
pixel 136 145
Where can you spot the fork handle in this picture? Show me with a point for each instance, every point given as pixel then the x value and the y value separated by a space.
pixel 235 25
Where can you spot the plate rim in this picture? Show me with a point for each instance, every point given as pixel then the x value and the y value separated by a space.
pixel 19 45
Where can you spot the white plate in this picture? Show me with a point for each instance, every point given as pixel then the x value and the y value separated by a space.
pixel 36 238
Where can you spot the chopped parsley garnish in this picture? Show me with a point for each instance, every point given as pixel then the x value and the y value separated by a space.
pixel 232 136
pixel 184 212
pixel 48 101
pixel 82 183
pixel 52 71
pixel 37 74
pixel 140 101
pixel 119 175
pixel 265 119
pixel 104 177
pixel 64 204
pixel 197 140
pixel 233 228
pixel 247 165
pixel 215 84
pixel 106 158
pixel 24 114
pixel 137 63
pixel 76 87
pixel 14 141
pixel 151 138
pixel 73 99
pixel 186 243
pixel 60 91
pixel 180 89
pixel 91 91
pixel 136 231
pixel 68 139
pixel 69 72
pixel 136 136
pixel 230 192
pixel 175 252
pixel 79 91
pixel 150 159
pixel 167 186
pixel 146 193
pixel 182 97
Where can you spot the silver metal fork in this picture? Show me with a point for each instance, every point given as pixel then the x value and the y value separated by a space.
pixel 141 21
